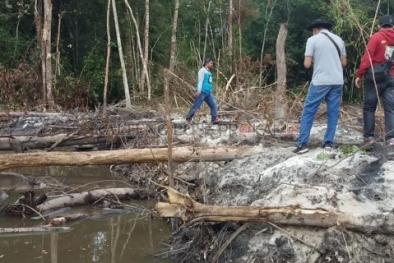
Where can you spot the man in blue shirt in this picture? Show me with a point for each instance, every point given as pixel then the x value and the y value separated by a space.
pixel 204 93
pixel 326 52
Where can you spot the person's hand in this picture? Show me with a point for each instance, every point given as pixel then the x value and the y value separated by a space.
pixel 197 94
pixel 358 82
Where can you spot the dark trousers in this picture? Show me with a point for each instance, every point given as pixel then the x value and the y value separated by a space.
pixel 384 90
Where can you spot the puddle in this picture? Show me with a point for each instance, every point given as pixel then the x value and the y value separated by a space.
pixel 117 239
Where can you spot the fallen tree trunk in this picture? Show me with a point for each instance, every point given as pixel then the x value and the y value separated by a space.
pixel 41 142
pixel 181 154
pixel 87 197
pixel 73 137
pixel 184 207
pixel 34 114
pixel 21 230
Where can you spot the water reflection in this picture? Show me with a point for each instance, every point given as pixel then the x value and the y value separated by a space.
pixel 98 242
pixel 54 245
pixel 120 239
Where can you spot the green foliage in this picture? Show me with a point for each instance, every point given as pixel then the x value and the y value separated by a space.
pixel 15 33
pixel 323 156
pixel 83 42
pixel 95 74
pixel 351 149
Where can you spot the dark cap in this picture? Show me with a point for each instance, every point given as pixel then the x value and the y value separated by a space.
pixel 207 60
pixel 319 23
pixel 386 20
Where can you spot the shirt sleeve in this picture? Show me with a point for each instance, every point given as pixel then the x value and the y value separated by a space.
pixel 201 74
pixel 366 60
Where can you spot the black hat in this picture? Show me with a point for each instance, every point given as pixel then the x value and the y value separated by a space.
pixel 319 23
pixel 207 60
pixel 386 20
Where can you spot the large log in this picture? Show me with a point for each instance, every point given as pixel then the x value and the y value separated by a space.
pixel 181 154
pixel 87 197
pixel 34 114
pixel 41 142
pixel 184 207
pixel 73 137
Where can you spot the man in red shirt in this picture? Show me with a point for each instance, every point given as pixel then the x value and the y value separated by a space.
pixel 379 49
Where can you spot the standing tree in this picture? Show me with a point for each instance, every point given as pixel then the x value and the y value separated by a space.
pixel 239 19
pixel 43 23
pixel 57 59
pixel 108 57
pixel 173 36
pixel 206 30
pixel 230 34
pixel 144 62
pixel 280 94
pixel 268 13
pixel 124 75
pixel 146 45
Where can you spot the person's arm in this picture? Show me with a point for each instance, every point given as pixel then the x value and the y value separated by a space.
pixel 366 60
pixel 200 81
pixel 308 60
pixel 343 61
pixel 343 55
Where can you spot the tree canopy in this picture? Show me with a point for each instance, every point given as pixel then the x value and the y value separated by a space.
pixel 79 45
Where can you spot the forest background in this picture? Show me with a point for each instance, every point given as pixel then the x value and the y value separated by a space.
pixel 83 53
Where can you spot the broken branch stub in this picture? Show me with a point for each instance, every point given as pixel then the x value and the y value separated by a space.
pixel 184 207
pixel 148 155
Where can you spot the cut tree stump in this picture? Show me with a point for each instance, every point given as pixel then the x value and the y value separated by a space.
pixel 184 207
pixel 66 219
pixel 180 154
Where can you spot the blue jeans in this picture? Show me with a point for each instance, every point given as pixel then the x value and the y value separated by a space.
pixel 209 99
pixel 332 94
pixel 386 91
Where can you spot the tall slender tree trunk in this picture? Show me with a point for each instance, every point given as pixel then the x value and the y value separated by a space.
pixel 146 44
pixel 144 63
pixel 239 64
pixel 47 50
pixel 108 57
pixel 57 66
pixel 132 62
pixel 280 94
pixel 206 29
pixel 270 5
pixel 230 34
pixel 133 53
pixel 43 23
pixel 57 61
pixel 38 10
pixel 124 74
pixel 173 37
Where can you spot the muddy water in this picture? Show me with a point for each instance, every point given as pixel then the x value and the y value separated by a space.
pixel 114 239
